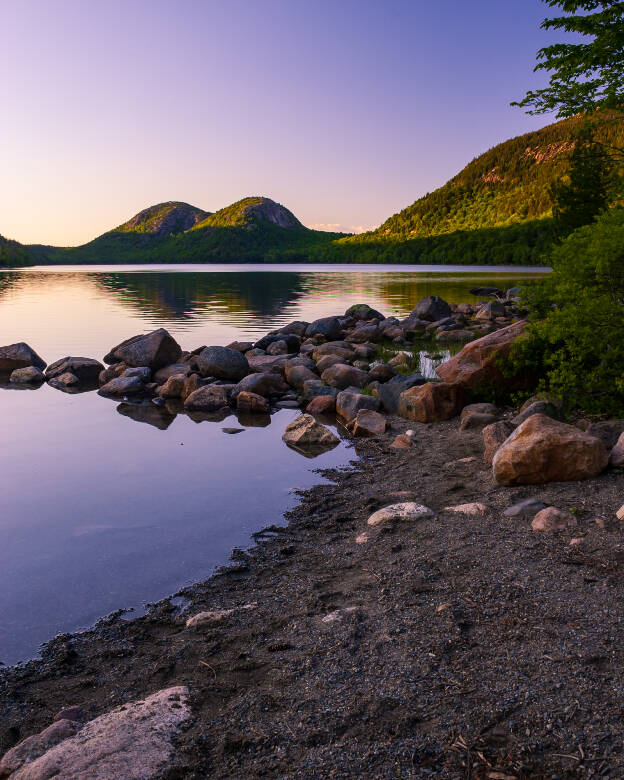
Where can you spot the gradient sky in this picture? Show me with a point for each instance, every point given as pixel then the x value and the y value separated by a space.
pixel 345 111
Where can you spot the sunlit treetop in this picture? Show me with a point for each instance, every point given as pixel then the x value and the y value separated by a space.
pixel 586 75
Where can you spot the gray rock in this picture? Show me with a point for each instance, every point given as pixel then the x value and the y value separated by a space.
pixel 19 355
pixel 134 741
pixel 490 311
pixel 155 350
pixel 431 309
pixel 349 403
pixel 297 375
pixel 528 508
pixel 222 363
pixel 342 376
pixel 263 363
pixel 210 398
pixel 537 407
pixel 287 405
pixel 27 376
pixel 240 346
pixel 476 421
pixel 364 332
pixel 327 361
pixel 312 388
pixel 142 372
pixel 382 372
pixel 64 381
pixel 85 369
pixel 279 347
pixel 173 369
pixel 267 384
pixel 328 327
pixel 362 311
pixel 290 343
pixel 122 385
pixel 389 392
pixel 304 430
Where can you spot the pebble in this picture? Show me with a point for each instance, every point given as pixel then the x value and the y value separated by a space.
pixel 405 511
pixel 468 509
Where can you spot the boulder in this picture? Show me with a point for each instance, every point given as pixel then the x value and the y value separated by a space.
pixel 252 403
pixel 268 384
pixel 431 309
pixel 191 383
pixel 616 457
pixel 322 404
pixel 64 381
pixel 305 430
pixel 31 375
pixel 314 387
pixel 349 403
pixel 364 332
pixel 297 375
pixel 339 348
pixel 544 450
pixel 328 327
pixel 476 367
pixel 135 740
pixel 342 375
pixel 173 387
pixel 111 372
pixel 431 402
pixel 551 519
pixel 368 423
pixel 608 431
pixel 489 311
pixel 389 392
pixel 122 385
pixel 33 747
pixel 87 370
pixel 297 328
pixel 240 346
pixel 222 363
pixel 279 347
pixel 534 407
pixel 382 372
pixel 19 355
pixel 476 421
pixel 493 437
pixel 209 398
pixel 263 363
pixel 289 343
pixel 174 369
pixel 327 361
pixel 405 511
pixel 155 350
pixel 362 311
pixel 142 372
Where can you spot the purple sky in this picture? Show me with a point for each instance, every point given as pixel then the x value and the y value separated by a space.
pixel 344 111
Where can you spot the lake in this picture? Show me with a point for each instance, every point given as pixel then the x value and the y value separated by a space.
pixel 106 507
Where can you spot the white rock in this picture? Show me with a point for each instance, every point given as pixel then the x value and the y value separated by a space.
pixel 338 614
pixel 206 618
pixel 405 511
pixel 132 741
pixel 468 509
pixel 305 430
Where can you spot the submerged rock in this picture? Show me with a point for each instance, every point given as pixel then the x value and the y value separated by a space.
pixel 27 376
pixel 252 403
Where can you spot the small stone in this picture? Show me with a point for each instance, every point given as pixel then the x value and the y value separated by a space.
pixel 468 509
pixel 75 713
pixel 338 614
pixel 208 618
pixel 550 520
pixel 528 508
pixel 620 513
pixel 404 511
pixel 362 538
pixel 233 430
pixel 401 442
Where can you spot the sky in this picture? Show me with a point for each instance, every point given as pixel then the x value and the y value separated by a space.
pixel 345 111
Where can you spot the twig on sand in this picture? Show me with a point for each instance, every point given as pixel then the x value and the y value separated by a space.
pixel 203 663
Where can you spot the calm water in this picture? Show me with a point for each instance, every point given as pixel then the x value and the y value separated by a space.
pixel 100 510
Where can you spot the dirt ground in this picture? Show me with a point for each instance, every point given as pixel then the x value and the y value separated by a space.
pixel 462 646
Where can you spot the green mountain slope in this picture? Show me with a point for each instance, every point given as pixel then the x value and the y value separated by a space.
pixel 496 210
pixel 13 254
pixel 254 229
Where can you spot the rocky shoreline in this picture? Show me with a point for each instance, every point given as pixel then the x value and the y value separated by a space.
pixel 448 606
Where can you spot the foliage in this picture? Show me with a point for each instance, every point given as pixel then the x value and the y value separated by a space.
pixel 585 193
pixel 587 74
pixel 576 339
pixel 13 254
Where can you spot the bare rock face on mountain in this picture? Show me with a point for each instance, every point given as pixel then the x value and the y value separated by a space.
pixel 164 219
pixel 273 212
pixel 154 350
